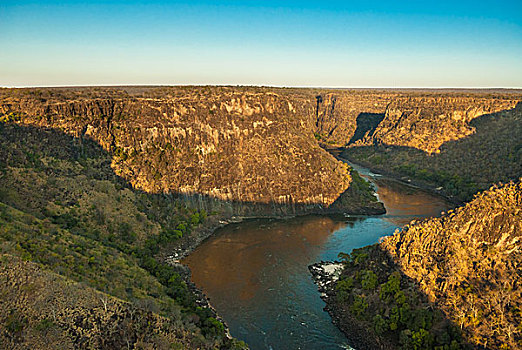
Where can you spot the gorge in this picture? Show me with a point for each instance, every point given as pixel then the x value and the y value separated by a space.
pixel 99 186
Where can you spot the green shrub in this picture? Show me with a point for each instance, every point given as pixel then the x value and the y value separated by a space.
pixel 369 280
pixel 344 288
pixel 359 305
pixel 380 325
pixel 392 286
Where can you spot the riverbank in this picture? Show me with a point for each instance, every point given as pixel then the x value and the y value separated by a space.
pixel 251 269
pixel 324 275
pixel 359 192
pixel 402 179
pixel 207 229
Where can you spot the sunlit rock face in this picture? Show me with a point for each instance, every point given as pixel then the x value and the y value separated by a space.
pixel 415 119
pixel 237 149
pixel 427 122
pixel 247 150
pixel 468 264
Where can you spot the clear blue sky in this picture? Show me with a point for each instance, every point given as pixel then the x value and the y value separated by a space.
pixel 289 43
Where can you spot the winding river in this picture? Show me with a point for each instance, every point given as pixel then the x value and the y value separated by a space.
pixel 256 272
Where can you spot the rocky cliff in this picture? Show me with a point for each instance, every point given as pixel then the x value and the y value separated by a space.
pixel 443 283
pixel 458 145
pixel 341 115
pixel 469 264
pixel 236 150
pixel 424 120
pixel 246 150
pixel 427 122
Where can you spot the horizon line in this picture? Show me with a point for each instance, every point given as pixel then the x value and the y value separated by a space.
pixel 266 86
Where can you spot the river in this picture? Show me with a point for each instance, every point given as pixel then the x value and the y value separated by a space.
pixel 256 272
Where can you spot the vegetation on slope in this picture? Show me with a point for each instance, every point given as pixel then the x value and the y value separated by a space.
pixel 40 309
pixel 62 206
pixel 492 152
pixel 439 278
pixel 373 293
pixel 468 262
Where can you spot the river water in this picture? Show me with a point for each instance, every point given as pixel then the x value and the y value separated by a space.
pixel 256 272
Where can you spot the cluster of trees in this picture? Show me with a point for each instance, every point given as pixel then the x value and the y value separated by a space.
pixel 390 305
pixel 62 206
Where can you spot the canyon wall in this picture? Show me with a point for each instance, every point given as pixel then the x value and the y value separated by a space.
pixel 468 264
pixel 421 120
pixel 427 122
pixel 242 150
pixel 338 114
pixel 458 153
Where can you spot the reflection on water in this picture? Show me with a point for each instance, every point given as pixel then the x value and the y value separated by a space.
pixel 403 203
pixel 240 253
pixel 256 274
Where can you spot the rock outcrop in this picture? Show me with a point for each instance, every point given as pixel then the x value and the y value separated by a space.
pixel 469 264
pixel 242 151
pixel 444 283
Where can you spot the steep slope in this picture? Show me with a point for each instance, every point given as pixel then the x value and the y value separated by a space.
pixel 339 114
pixel 491 153
pixel 40 309
pixel 426 123
pixel 62 207
pixel 445 283
pixel 469 263
pixel 230 149
pixel 254 150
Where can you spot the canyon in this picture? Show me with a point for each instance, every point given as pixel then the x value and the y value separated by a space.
pixel 130 174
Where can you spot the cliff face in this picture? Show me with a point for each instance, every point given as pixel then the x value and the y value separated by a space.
pixel 216 147
pixel 420 120
pixel 246 150
pixel 339 114
pixel 459 168
pixel 445 283
pixel 426 123
pixel 469 263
